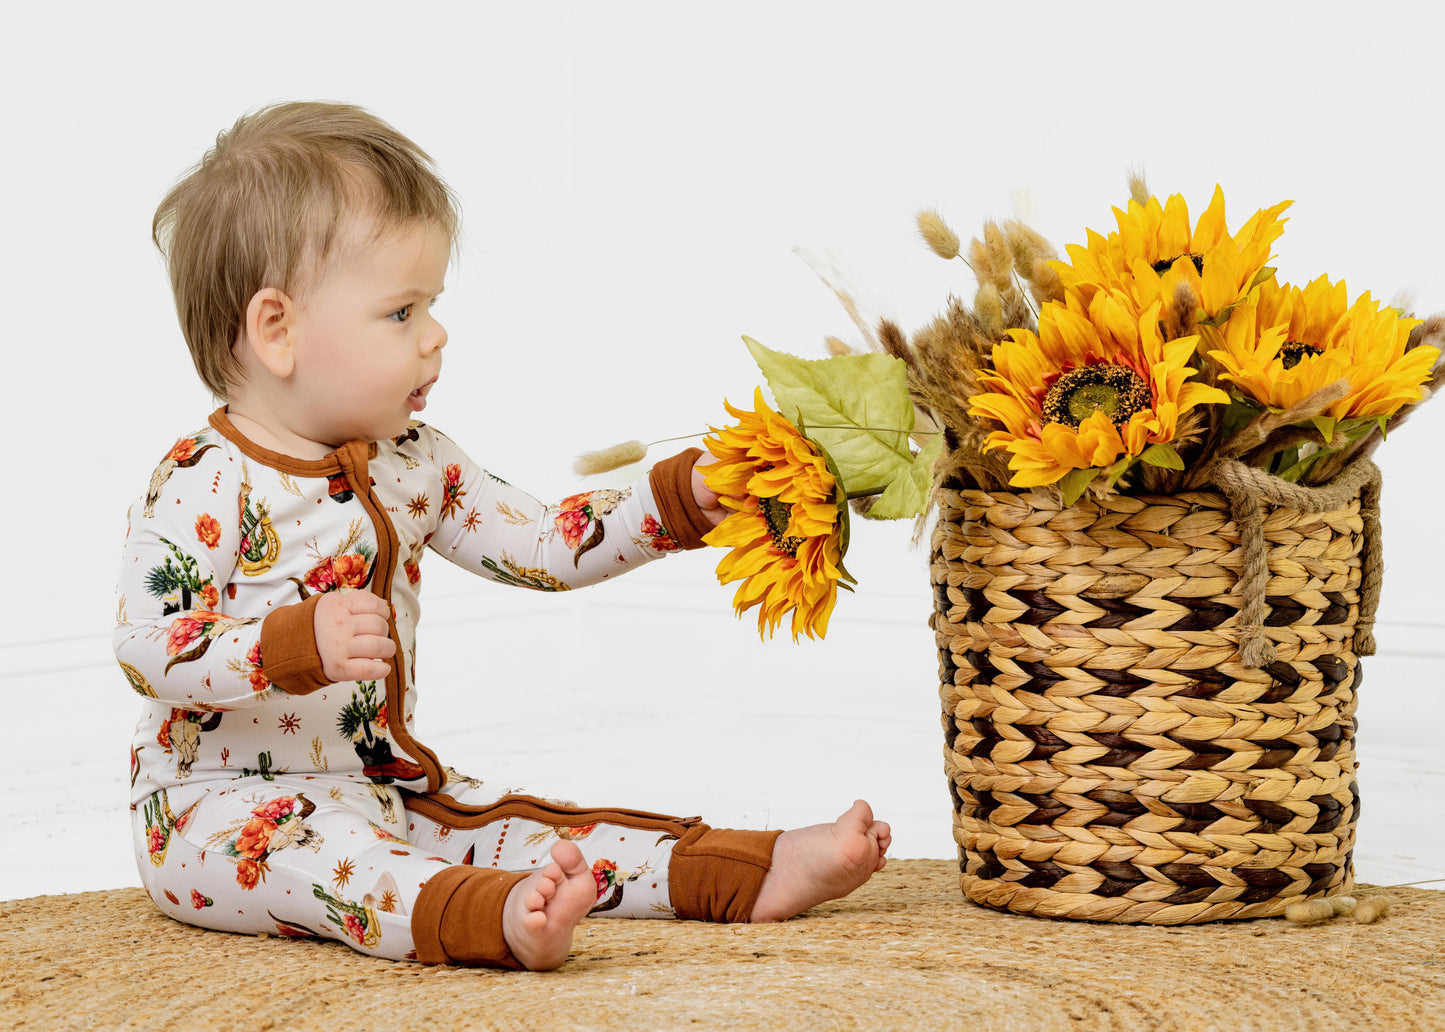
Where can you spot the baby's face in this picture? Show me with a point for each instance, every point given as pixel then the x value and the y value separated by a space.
pixel 367 347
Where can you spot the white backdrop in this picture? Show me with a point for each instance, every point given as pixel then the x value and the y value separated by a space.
pixel 634 177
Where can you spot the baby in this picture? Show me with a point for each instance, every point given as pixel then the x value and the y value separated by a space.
pixel 269 592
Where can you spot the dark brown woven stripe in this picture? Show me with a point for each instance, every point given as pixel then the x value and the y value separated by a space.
pixel 971 605
pixel 1119 809
pixel 1196 882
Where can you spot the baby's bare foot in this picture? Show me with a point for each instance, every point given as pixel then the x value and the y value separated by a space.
pixel 541 912
pixel 822 862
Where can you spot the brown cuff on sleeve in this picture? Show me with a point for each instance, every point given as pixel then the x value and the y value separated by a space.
pixel 671 481
pixel 289 658
pixel 716 874
pixel 458 918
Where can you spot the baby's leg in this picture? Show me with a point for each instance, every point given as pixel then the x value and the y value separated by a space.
pixel 825 861
pixel 650 865
pixel 302 858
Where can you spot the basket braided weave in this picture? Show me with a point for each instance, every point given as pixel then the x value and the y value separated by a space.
pixel 1148 702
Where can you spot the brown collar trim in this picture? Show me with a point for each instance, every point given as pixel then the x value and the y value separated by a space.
pixel 289 464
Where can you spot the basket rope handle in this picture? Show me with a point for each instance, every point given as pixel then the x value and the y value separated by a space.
pixel 1248 489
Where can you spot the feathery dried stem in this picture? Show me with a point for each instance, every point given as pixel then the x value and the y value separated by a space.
pixel 838 347
pixel 892 339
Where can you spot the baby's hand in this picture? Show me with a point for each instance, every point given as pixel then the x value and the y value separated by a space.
pixel 705 497
pixel 352 636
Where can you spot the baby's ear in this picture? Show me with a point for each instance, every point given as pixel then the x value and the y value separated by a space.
pixel 269 320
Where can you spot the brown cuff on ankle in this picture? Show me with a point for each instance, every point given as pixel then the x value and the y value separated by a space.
pixel 716 874
pixel 671 482
pixel 458 918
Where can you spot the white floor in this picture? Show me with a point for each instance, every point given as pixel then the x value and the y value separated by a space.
pixel 647 693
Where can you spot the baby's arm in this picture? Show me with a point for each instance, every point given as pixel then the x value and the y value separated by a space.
pixel 180 636
pixel 505 534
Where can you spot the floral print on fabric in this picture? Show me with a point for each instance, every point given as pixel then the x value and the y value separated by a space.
pixel 275 825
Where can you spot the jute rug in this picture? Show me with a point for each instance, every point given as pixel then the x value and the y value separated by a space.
pixel 905 952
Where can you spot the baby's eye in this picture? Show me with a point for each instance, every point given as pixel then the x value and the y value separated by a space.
pixel 401 314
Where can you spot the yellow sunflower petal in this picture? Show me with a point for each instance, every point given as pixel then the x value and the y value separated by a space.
pixel 1294 341
pixel 1097 383
pixel 784 538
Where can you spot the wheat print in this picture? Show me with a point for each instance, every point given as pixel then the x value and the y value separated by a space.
pixel 512 516
pixel 353 535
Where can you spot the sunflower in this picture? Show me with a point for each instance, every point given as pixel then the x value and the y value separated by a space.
pixel 786 533
pixel 1155 251
pixel 1293 342
pixel 1097 384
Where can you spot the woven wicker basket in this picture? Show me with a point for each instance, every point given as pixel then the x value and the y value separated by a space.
pixel 1112 754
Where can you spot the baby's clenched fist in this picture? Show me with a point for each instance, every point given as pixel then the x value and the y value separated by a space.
pixel 353 636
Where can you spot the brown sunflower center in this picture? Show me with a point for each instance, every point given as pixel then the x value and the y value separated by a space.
pixel 1294 351
pixel 1116 391
pixel 1163 265
pixel 778 513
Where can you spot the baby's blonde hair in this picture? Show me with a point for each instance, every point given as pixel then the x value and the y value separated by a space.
pixel 265 207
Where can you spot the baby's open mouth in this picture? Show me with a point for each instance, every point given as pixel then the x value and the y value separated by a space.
pixel 417 398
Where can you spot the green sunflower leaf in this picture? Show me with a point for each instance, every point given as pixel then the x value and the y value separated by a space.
pixel 1326 426
pixel 1074 483
pixel 1162 455
pixel 1238 415
pixel 854 406
pixel 909 493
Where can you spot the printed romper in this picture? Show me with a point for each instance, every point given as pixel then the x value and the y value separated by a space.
pixel 265 799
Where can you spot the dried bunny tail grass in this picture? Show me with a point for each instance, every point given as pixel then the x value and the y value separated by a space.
pixel 605 460
pixel 1044 282
pixel 837 347
pixel 988 310
pixel 1000 255
pixel 1017 311
pixel 1138 189
pixel 1178 318
pixel 1431 332
pixel 1313 912
pixel 1343 904
pixel 1027 245
pixel 1372 910
pixel 991 264
pixel 941 240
